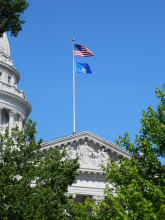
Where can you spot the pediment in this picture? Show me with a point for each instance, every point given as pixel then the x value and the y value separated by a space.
pixel 91 149
pixel 90 155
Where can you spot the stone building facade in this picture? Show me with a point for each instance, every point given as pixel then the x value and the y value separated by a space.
pixel 92 151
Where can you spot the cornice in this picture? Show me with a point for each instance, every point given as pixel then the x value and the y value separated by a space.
pixel 11 68
pixel 91 171
pixel 17 98
pixel 10 107
pixel 90 137
pixel 82 190
pixel 4 70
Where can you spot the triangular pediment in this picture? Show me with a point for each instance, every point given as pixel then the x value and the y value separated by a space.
pixel 91 149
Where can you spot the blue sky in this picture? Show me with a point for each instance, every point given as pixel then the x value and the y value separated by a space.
pixel 128 40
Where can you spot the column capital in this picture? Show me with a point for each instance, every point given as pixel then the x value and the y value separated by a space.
pixel 20 118
pixel 11 113
pixel 1 108
pixel 20 121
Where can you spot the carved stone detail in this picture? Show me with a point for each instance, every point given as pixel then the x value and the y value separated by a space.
pixel 11 114
pixel 21 118
pixel 88 156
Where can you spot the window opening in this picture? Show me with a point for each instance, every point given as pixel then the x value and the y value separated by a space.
pixel 9 79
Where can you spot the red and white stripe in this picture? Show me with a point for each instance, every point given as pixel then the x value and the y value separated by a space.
pixel 85 52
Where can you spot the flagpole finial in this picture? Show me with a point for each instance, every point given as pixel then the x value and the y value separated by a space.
pixel 73 39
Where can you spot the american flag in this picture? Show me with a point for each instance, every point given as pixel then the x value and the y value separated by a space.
pixel 82 51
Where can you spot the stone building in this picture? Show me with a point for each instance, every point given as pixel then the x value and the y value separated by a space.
pixel 91 149
pixel 14 109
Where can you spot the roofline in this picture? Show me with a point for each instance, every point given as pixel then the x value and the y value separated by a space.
pixel 90 136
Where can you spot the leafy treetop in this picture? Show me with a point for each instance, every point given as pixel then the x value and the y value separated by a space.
pixel 10 16
pixel 34 184
pixel 136 187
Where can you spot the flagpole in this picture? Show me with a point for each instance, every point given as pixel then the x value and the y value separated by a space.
pixel 74 126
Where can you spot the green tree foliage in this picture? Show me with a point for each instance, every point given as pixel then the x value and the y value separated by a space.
pixel 136 188
pixel 33 184
pixel 10 16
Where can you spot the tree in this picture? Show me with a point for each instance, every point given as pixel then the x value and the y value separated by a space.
pixel 136 188
pixel 10 16
pixel 33 184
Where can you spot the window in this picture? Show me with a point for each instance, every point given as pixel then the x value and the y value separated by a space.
pixel 0 76
pixel 9 79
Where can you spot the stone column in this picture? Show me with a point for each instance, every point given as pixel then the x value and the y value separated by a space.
pixel 11 121
pixel 20 122
pixel 1 127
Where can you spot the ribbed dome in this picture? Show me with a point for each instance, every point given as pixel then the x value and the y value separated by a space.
pixel 4 44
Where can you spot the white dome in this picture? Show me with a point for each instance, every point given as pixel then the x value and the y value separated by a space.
pixel 4 44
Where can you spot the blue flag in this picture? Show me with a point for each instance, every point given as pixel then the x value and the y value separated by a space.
pixel 83 68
